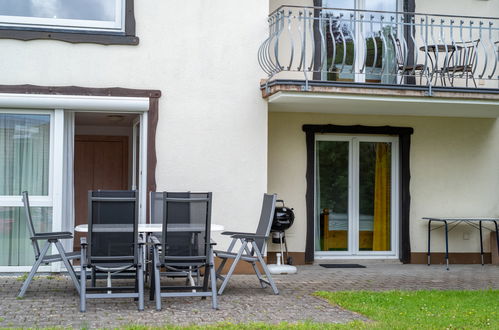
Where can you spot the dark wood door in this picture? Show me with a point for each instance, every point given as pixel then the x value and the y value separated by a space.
pixel 100 162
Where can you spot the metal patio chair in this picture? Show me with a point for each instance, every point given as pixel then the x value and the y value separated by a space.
pixel 113 245
pixel 252 247
pixel 180 211
pixel 41 256
pixel 462 62
pixel 408 69
pixel 184 248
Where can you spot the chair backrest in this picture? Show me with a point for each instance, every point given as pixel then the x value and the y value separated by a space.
pixel 156 207
pixel 266 217
pixel 112 227
pixel 29 223
pixel 186 226
pixel 399 55
pixel 467 54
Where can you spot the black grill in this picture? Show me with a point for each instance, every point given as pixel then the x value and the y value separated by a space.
pixel 283 217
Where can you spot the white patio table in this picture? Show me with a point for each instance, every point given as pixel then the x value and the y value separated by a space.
pixel 158 228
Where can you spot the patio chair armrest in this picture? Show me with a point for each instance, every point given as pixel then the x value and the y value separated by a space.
pixel 55 235
pixel 83 241
pixel 154 240
pixel 248 236
pixel 212 242
pixel 230 233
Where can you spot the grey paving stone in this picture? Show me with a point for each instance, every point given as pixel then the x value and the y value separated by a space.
pixel 52 301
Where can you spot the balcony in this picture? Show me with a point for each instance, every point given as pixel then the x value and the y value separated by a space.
pixel 381 54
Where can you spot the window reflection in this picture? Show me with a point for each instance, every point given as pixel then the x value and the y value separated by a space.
pixel 98 10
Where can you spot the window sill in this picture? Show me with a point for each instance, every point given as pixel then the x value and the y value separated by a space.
pixel 103 39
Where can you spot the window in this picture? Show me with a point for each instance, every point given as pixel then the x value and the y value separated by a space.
pixel 25 153
pixel 99 21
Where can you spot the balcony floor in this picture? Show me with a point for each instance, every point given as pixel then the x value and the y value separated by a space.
pixel 379 99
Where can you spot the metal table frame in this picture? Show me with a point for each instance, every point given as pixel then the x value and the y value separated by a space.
pixel 468 221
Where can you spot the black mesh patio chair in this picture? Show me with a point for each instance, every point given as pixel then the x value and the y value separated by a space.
pixel 252 247
pixel 41 256
pixel 184 248
pixel 113 245
pixel 156 215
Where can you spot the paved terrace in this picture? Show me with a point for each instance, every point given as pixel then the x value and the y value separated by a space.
pixel 52 301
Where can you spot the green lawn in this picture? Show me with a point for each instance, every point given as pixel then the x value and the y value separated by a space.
pixel 398 310
pixel 421 309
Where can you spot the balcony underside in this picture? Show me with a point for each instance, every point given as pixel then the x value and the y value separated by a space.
pixel 378 99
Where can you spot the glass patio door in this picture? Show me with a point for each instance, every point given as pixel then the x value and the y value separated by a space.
pixel 356 195
pixel 362 52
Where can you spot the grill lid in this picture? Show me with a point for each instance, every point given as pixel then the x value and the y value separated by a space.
pixel 283 217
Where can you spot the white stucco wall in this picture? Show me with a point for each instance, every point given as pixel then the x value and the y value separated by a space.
pixel 454 171
pixel 212 130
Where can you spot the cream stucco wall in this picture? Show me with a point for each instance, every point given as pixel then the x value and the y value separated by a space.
pixel 212 130
pixel 454 171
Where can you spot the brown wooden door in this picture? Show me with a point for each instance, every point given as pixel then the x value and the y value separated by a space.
pixel 100 162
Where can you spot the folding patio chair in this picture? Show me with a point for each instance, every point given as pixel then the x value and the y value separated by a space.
pixel 41 256
pixel 113 245
pixel 184 247
pixel 180 211
pixel 257 243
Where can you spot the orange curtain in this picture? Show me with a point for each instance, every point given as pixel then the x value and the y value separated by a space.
pixel 381 234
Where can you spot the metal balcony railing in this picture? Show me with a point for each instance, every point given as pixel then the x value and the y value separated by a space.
pixel 334 44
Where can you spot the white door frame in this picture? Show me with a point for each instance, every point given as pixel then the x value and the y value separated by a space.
pixel 353 198
pixel 55 105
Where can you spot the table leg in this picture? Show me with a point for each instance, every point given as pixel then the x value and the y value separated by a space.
pixel 446 244
pixel 497 236
pixel 429 240
pixel 481 241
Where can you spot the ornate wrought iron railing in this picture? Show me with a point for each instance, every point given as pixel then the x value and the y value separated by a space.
pixel 334 44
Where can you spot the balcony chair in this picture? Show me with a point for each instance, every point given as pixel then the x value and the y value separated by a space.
pixel 252 247
pixel 462 62
pixel 409 69
pixel 41 256
pixel 184 248
pixel 113 245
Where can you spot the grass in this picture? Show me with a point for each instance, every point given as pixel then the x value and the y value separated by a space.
pixel 421 309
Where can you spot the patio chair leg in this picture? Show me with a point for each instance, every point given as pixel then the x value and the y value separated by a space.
pixel 152 283
pixel 83 289
pixel 257 271
pixel 93 278
pixel 68 265
pixel 33 270
pixel 214 302
pixel 265 269
pixel 157 283
pixel 140 277
pixel 232 268
pixel 220 268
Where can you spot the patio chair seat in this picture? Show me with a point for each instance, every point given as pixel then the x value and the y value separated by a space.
pixel 233 255
pixel 57 257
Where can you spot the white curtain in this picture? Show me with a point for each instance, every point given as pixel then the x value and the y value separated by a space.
pixel 68 216
pixel 24 165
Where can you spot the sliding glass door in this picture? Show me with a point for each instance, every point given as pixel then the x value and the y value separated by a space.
pixel 25 165
pixel 356 195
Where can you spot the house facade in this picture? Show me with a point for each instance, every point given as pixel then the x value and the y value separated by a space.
pixel 246 97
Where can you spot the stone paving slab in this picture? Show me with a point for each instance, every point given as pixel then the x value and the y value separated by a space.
pixel 52 301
